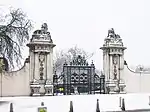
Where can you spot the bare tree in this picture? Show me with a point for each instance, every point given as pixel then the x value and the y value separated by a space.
pixel 14 33
pixel 62 56
pixel 74 51
pixel 59 58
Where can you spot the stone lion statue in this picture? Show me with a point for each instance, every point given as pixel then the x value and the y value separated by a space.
pixel 44 27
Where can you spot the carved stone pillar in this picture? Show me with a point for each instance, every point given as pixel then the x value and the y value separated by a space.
pixel 113 63
pixel 41 67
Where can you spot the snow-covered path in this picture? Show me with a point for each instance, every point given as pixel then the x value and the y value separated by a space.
pixel 81 103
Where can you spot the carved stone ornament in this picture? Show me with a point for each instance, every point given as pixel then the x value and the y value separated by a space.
pixel 115 75
pixel 115 67
pixel 44 28
pixel 41 60
pixel 115 60
pixel 41 57
pixel 111 33
pixel 117 88
pixel 43 34
pixel 113 38
pixel 42 90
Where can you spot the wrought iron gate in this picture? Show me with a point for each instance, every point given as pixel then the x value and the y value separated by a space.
pixel 78 77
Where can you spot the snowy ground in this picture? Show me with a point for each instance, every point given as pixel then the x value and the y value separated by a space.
pixel 81 103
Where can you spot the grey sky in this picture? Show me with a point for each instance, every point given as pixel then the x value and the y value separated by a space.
pixel 85 23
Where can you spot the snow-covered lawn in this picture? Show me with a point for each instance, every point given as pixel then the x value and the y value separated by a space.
pixel 81 103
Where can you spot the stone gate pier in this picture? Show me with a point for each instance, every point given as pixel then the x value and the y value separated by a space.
pixel 35 78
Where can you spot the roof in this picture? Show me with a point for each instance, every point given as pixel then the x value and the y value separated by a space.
pixel 81 103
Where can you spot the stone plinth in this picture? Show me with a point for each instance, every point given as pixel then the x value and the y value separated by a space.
pixel 41 88
pixel 49 90
pixel 114 87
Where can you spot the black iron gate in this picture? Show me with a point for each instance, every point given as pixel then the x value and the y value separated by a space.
pixel 79 77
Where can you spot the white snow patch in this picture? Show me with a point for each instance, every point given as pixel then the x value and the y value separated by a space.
pixel 81 103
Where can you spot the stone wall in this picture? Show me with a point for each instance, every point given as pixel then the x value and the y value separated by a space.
pixel 136 81
pixel 15 83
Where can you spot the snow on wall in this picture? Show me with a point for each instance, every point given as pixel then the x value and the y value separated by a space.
pixel 81 103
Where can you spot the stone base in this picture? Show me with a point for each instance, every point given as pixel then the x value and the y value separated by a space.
pixel 49 90
pixel 41 89
pixel 115 88
pixel 112 92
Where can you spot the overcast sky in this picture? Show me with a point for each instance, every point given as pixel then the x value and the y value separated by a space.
pixel 85 23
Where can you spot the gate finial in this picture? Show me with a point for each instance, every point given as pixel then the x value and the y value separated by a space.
pixel 97 106
pixel 71 106
pixel 123 105
pixel 11 107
